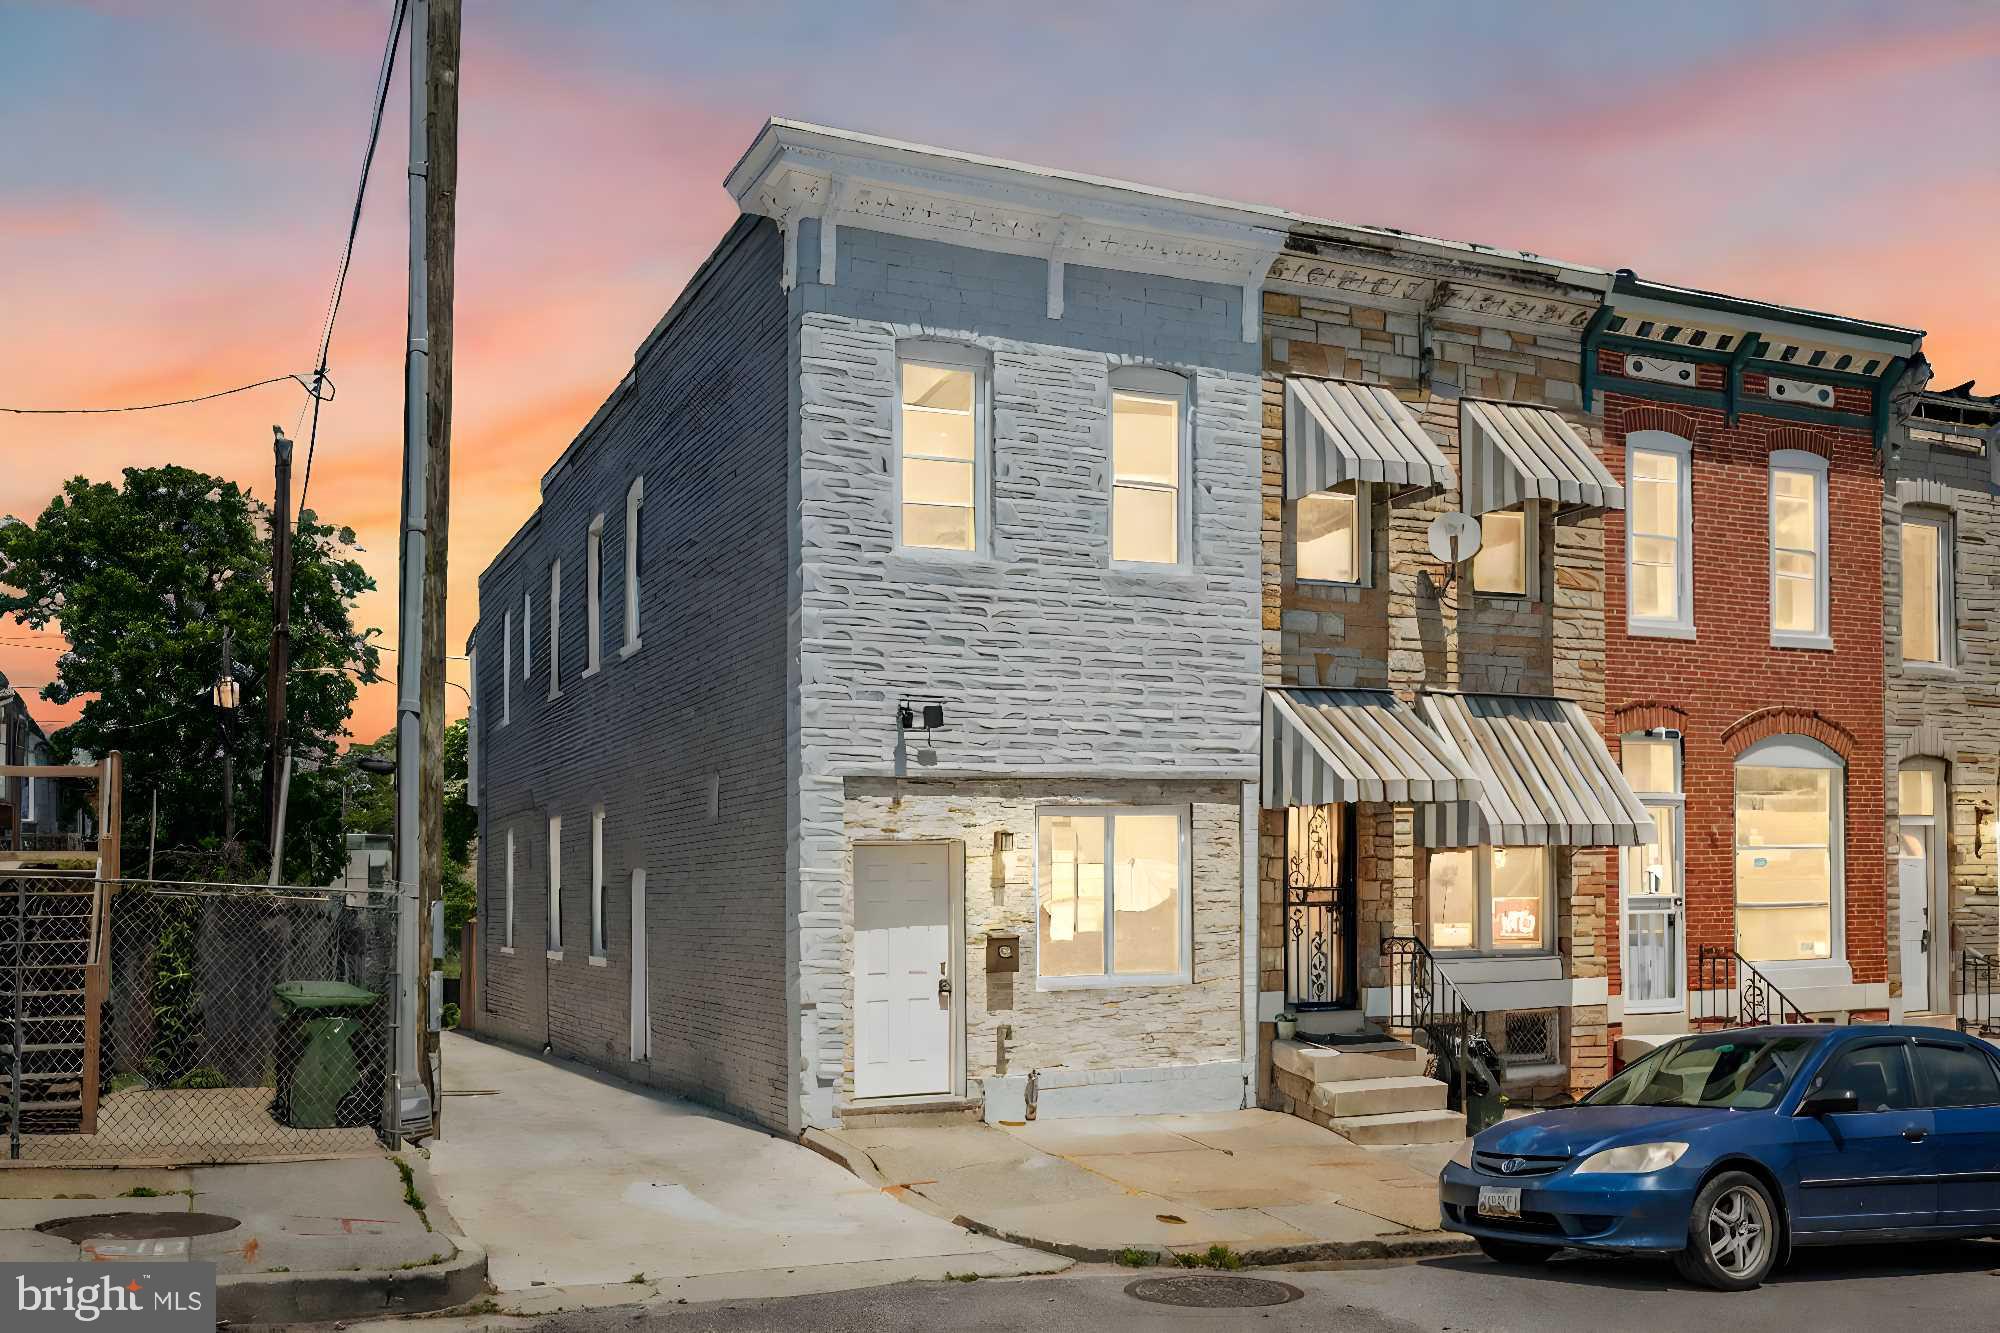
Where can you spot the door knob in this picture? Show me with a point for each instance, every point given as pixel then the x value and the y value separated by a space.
pixel 1915 1135
pixel 944 987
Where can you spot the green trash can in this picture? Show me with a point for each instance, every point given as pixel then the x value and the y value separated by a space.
pixel 317 1064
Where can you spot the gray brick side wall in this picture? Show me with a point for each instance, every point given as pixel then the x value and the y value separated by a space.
pixel 702 702
pixel 1049 662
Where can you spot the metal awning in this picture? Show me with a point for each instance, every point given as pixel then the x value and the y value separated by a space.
pixel 1513 452
pixel 1545 776
pixel 1326 746
pixel 1338 431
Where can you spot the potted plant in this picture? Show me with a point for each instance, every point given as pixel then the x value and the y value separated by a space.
pixel 1288 1025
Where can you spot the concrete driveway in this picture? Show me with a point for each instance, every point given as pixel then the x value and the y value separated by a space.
pixel 588 1191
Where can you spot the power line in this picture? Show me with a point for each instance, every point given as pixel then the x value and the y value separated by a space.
pixel 353 229
pixel 150 407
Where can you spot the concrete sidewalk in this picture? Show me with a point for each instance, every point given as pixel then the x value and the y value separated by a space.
pixel 291 1240
pixel 1271 1187
pixel 588 1191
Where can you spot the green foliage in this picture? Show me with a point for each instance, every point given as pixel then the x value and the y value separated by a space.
pixel 371 808
pixel 205 1076
pixel 1132 1257
pixel 143 578
pixel 175 993
pixel 1215 1256
pixel 449 1015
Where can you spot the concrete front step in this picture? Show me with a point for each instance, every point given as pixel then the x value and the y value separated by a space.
pixel 1400 1127
pixel 1337 1064
pixel 1379 1096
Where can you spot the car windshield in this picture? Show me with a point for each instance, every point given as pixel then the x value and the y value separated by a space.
pixel 1737 1071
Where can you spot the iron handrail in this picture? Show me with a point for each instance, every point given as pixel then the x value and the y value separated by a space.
pixel 1422 999
pixel 1977 974
pixel 1729 991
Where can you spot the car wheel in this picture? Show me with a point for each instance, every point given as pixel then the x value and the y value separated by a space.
pixel 1516 1252
pixel 1733 1234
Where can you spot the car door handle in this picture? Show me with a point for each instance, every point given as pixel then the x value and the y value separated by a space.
pixel 1915 1135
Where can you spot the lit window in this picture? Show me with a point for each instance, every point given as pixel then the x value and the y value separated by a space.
pixel 1658 528
pixel 1506 559
pixel 1112 896
pixel 507 669
pixel 555 628
pixel 633 503
pixel 1490 899
pixel 593 596
pixel 1927 599
pixel 597 882
pixel 1798 548
pixel 1787 850
pixel 555 883
pixel 1333 535
pixel 1146 477
pixel 507 919
pixel 940 457
pixel 1651 876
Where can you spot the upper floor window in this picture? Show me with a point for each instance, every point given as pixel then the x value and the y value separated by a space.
pixel 527 634
pixel 555 628
pixel 941 440
pixel 1789 791
pixel 1508 555
pixel 593 596
pixel 1333 531
pixel 507 668
pixel 507 917
pixel 1798 550
pixel 1148 463
pixel 1659 532
pixel 1927 589
pixel 633 500
pixel 1112 896
pixel 597 883
pixel 1491 900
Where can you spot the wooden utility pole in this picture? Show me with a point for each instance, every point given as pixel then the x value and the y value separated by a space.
pixel 275 738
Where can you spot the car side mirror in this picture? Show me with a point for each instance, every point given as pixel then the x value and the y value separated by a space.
pixel 1844 1101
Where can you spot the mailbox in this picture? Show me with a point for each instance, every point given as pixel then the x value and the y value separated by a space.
pixel 1003 953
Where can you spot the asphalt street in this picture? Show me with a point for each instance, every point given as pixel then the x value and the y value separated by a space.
pixel 1933 1289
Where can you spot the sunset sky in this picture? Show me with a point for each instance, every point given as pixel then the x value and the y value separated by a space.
pixel 175 181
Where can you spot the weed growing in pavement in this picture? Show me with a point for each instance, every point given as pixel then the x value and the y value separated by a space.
pixel 1136 1258
pixel 411 1195
pixel 961 1277
pixel 1215 1256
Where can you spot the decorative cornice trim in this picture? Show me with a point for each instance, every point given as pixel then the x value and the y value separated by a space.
pixel 1390 288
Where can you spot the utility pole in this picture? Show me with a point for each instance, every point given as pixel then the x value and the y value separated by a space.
pixel 275 739
pixel 433 46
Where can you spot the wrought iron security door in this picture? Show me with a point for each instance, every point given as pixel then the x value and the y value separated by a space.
pixel 1319 907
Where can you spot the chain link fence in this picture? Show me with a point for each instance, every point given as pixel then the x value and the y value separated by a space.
pixel 158 1023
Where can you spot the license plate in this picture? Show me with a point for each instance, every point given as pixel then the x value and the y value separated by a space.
pixel 1498 1202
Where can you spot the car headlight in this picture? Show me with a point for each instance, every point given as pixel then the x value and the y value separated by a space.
pixel 1463 1157
pixel 1635 1159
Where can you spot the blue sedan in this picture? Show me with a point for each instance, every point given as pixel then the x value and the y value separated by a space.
pixel 1727 1149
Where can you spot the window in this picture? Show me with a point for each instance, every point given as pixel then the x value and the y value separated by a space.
pixel 1798 550
pixel 1147 416
pixel 1111 896
pixel 1505 564
pixel 1877 1074
pixel 1490 900
pixel 939 478
pixel 1659 527
pixel 1927 590
pixel 507 917
pixel 597 882
pixel 633 499
pixel 1651 874
pixel 1956 1076
pixel 593 597
pixel 1788 863
pixel 555 628
pixel 1718 1071
pixel 555 885
pixel 507 669
pixel 527 635
pixel 1333 531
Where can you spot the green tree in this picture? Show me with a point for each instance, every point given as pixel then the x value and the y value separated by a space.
pixel 142 579
pixel 372 809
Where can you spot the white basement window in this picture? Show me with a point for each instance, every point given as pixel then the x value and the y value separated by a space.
pixel 593 597
pixel 1111 896
pixel 1927 590
pixel 1333 531
pixel 634 498
pixel 1148 463
pixel 1798 550
pixel 941 442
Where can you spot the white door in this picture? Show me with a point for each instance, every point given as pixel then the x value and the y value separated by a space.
pixel 642 992
pixel 1651 960
pixel 1914 918
pixel 902 981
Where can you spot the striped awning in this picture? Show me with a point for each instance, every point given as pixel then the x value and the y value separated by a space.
pixel 1513 453
pixel 1545 777
pixel 1337 431
pixel 1326 746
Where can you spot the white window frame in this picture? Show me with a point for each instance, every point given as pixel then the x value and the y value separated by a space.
pixel 1676 802
pixel 528 634
pixel 1531 553
pixel 635 496
pixel 507 917
pixel 1792 751
pixel 507 668
pixel 1681 624
pixel 948 356
pixel 1798 460
pixel 1110 979
pixel 593 598
pixel 1482 903
pixel 1152 382
pixel 555 888
pixel 1946 599
pixel 1364 536
pixel 598 950
pixel 555 629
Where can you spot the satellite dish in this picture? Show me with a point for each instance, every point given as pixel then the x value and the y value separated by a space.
pixel 1454 537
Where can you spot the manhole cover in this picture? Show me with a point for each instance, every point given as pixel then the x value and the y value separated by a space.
pixel 1208 1291
pixel 138 1226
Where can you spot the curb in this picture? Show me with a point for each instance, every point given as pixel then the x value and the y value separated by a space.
pixel 287 1298
pixel 1415 1245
